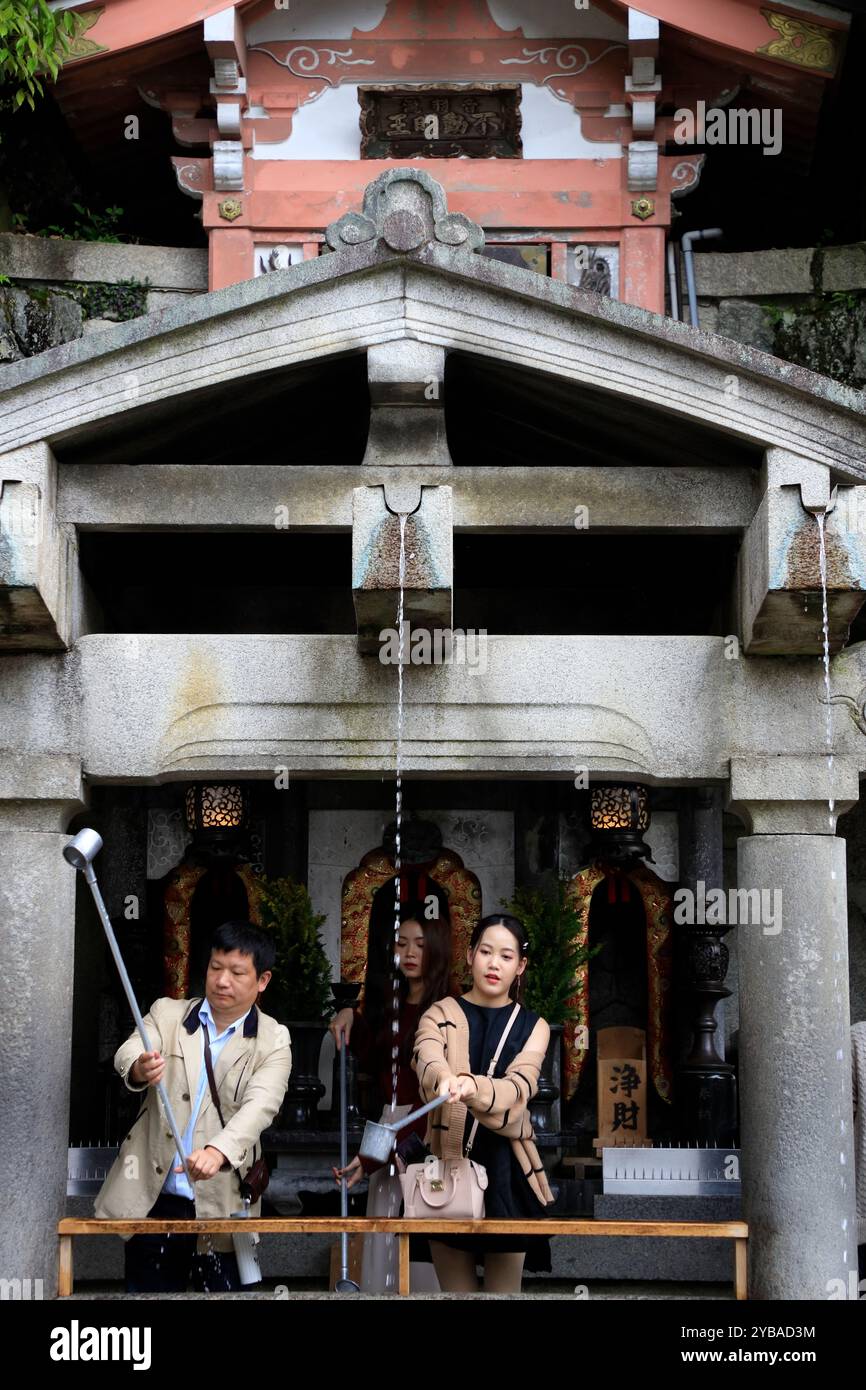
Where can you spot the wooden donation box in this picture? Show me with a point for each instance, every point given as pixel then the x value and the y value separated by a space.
pixel 622 1093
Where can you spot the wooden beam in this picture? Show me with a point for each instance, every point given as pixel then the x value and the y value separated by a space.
pixel 380 1225
pixel 64 1267
pixel 741 1269
pixel 401 1227
pixel 404 1265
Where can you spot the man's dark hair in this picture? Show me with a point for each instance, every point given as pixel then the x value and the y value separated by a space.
pixel 249 940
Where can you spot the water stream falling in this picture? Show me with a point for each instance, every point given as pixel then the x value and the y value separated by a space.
pixel 395 1024
pixel 820 517
pixel 390 1272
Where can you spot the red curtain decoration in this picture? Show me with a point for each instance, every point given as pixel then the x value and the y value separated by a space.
pixel 176 920
pixel 460 885
pixel 657 897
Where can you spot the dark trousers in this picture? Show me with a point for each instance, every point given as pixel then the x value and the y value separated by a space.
pixel 168 1264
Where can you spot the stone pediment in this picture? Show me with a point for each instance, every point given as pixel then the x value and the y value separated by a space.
pixel 404 268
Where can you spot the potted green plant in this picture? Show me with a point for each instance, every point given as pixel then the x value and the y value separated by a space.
pixel 555 956
pixel 300 991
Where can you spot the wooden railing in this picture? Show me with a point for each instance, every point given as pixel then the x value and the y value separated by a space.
pixel 70 1226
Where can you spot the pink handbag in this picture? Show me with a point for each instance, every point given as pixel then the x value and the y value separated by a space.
pixel 450 1187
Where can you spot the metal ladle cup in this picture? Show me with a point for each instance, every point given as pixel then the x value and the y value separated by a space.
pixel 378 1140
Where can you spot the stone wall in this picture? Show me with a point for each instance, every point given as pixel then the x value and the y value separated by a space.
pixel 54 290
pixel 803 304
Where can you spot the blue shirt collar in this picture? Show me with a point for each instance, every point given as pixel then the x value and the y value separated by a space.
pixel 248 1021
pixel 205 1012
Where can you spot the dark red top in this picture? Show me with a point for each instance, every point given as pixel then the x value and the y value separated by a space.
pixel 373 1055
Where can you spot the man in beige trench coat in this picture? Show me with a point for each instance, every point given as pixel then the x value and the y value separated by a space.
pixel 251 1061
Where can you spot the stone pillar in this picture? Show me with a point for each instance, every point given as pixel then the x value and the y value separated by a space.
pixel 37 912
pixel 705 1085
pixel 795 1055
pixel 700 831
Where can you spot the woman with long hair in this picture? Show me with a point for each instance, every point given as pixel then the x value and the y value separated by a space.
pixel 455 1044
pixel 421 956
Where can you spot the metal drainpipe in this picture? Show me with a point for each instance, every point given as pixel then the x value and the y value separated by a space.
pixel 687 240
pixel 672 281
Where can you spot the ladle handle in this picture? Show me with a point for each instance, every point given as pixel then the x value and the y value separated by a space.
pixel 161 1090
pixel 344 1155
pixel 416 1114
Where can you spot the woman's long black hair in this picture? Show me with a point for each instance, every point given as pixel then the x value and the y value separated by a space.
pixel 379 976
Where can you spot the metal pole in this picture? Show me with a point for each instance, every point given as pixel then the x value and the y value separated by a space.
pixel 672 281
pixel 90 876
pixel 344 1283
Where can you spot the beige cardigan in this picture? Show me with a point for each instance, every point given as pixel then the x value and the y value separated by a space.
pixel 442 1049
pixel 251 1074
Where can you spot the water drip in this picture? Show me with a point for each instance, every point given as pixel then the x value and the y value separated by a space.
pixel 828 727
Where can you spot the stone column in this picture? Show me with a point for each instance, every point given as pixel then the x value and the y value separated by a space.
pixel 700 832
pixel 795 1056
pixel 37 912
pixel 705 1084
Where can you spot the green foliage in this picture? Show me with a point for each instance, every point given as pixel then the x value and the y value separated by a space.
pixel 844 299
pixel 778 315
pixel 552 928
pixel 775 314
pixel 300 990
pixel 88 225
pixel 33 43
pixel 125 299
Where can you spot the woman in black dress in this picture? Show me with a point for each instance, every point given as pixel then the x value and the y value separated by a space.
pixel 498 957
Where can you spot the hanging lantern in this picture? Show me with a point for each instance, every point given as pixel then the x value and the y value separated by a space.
pixel 215 811
pixel 619 816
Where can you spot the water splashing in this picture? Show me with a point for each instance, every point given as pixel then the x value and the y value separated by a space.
pixel 822 556
pixel 395 1016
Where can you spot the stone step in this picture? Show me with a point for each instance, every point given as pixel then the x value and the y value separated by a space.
pixel 558 1291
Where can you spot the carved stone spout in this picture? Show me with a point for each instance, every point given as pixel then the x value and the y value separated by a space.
pixel 376 562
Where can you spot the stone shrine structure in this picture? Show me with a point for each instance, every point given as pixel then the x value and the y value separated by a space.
pixel 486 401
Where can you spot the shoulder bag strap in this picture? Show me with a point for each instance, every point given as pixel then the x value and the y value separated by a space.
pixel 491 1069
pixel 208 1062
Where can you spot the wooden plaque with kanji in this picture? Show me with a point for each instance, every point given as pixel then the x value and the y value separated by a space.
pixel 622 1088
pixel 441 122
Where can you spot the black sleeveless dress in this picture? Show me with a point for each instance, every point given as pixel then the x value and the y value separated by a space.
pixel 508 1192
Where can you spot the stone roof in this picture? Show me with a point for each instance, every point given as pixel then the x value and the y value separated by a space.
pixel 404 267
